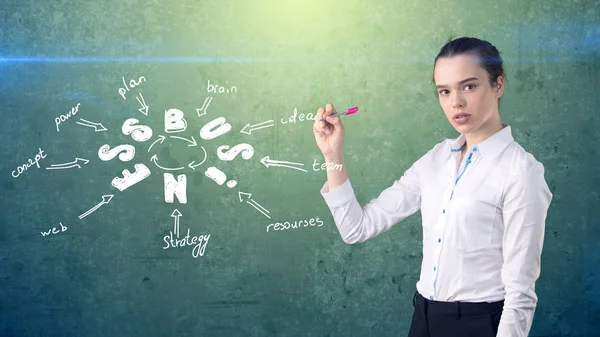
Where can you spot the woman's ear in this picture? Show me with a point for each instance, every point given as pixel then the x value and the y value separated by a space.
pixel 499 86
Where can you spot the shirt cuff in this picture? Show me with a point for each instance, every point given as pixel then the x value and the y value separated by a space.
pixel 339 196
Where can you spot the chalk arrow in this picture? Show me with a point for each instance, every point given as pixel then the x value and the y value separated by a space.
pixel 97 126
pixel 154 159
pixel 247 195
pixel 268 162
pixel 253 203
pixel 105 200
pixel 160 139
pixel 193 164
pixel 176 214
pixel 75 163
pixel 144 108
pixel 258 126
pixel 202 110
pixel 191 142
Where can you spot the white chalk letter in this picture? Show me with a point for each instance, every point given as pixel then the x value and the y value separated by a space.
pixel 175 187
pixel 207 131
pixel 246 149
pixel 106 154
pixel 174 121
pixel 139 133
pixel 129 179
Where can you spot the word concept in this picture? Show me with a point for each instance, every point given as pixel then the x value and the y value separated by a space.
pixel 35 161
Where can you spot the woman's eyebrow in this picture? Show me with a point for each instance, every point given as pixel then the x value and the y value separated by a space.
pixel 461 82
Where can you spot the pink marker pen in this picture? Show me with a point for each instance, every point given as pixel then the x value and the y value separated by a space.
pixel 347 112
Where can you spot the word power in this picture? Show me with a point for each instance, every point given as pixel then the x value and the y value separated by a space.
pixel 217 89
pixel 64 118
pixel 132 84
pixel 54 230
pixel 20 169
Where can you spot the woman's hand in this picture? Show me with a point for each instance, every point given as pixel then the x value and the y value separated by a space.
pixel 329 134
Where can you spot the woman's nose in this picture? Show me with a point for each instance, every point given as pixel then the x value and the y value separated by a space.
pixel 458 101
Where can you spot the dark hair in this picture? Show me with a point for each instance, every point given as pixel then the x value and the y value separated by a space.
pixel 488 56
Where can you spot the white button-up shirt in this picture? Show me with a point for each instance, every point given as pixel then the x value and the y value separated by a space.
pixel 483 223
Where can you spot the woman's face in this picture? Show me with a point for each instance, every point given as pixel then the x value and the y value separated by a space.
pixel 463 88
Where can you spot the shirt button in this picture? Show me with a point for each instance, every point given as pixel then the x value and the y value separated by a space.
pixel 439 240
pixel 433 268
pixel 431 297
pixel 444 210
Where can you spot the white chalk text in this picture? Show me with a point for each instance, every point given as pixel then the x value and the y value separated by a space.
pixel 31 162
pixel 199 242
pixel 280 226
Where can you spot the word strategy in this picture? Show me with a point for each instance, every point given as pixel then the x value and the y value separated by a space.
pixel 199 242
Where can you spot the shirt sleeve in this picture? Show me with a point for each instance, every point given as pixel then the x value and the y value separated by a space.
pixel 395 203
pixel 524 211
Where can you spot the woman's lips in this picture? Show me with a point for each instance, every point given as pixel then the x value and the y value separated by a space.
pixel 462 120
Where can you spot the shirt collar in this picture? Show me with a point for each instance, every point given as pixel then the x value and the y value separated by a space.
pixel 491 146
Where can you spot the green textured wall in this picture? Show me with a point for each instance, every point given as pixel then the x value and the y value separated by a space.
pixel 107 273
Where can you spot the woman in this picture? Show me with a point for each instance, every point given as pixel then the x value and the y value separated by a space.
pixel 482 197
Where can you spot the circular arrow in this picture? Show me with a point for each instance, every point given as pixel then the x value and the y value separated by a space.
pixel 191 141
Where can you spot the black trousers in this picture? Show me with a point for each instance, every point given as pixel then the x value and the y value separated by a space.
pixel 454 319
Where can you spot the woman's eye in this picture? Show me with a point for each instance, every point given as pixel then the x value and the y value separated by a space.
pixel 470 85
pixel 442 92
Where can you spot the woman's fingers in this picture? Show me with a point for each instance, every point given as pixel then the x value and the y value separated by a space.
pixel 329 109
pixel 327 126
